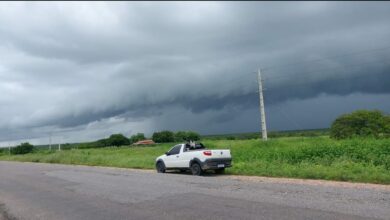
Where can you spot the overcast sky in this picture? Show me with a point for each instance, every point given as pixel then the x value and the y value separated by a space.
pixel 85 70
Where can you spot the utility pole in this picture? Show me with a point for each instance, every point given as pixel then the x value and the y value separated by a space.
pixel 262 111
pixel 59 147
pixel 9 149
pixel 50 142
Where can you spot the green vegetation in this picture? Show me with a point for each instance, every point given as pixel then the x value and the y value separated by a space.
pixel 137 137
pixel 169 136
pixel 117 140
pixel 129 157
pixel 356 159
pixel 121 140
pixel 163 137
pixel 272 134
pixel 114 140
pixel 23 148
pixel 361 123
pixel 186 136
pixel 357 151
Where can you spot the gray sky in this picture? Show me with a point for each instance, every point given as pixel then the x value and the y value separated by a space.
pixel 85 70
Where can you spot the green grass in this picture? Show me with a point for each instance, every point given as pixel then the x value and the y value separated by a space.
pixel 355 160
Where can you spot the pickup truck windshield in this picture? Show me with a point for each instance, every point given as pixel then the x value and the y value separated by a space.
pixel 175 150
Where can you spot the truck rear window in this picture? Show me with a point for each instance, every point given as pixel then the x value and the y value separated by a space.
pixel 198 146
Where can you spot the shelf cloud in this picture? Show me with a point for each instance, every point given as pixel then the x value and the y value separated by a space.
pixel 83 70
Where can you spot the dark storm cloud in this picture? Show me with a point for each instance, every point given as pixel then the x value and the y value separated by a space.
pixel 102 67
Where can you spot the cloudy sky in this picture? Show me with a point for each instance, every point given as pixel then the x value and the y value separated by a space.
pixel 82 71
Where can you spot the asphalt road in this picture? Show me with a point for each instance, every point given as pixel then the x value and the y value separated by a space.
pixel 46 191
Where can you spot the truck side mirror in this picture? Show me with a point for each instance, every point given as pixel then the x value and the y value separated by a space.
pixel 167 153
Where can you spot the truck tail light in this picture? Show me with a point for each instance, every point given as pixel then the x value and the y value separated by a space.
pixel 207 153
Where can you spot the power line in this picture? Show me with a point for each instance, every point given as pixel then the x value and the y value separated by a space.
pixel 268 88
pixel 326 58
pixel 285 115
pixel 271 85
pixel 243 77
pixel 319 81
pixel 324 70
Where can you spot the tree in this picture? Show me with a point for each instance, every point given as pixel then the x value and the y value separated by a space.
pixel 100 143
pixel 186 136
pixel 163 137
pixel 387 125
pixel 192 136
pixel 23 148
pixel 137 137
pixel 180 136
pixel 117 140
pixel 361 123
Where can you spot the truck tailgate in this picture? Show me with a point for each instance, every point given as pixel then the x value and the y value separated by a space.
pixel 220 154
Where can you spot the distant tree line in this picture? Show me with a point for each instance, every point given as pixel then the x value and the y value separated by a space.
pixel 169 136
pixel 116 140
pixel 137 137
pixel 271 134
pixel 23 148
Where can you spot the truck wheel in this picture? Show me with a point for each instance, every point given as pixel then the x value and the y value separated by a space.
pixel 196 170
pixel 160 167
pixel 220 171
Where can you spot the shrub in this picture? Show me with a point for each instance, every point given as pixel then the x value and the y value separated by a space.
pixel 100 143
pixel 163 137
pixel 186 136
pixel 23 148
pixel 137 137
pixel 387 125
pixel 180 136
pixel 361 123
pixel 192 135
pixel 117 140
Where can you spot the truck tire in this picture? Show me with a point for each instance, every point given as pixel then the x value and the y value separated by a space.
pixel 220 171
pixel 160 167
pixel 196 170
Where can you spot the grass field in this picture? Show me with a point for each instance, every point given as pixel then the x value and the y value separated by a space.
pixel 355 160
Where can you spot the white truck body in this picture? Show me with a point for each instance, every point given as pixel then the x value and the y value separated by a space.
pixel 182 157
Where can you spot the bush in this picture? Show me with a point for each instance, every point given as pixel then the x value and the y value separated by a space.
pixel 137 137
pixel 361 123
pixel 100 143
pixel 116 140
pixel 387 126
pixel 193 136
pixel 180 136
pixel 23 148
pixel 163 137
pixel 186 136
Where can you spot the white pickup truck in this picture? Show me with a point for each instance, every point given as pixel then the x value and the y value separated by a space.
pixel 194 158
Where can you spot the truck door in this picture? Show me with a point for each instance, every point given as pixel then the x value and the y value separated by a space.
pixel 171 161
pixel 185 156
